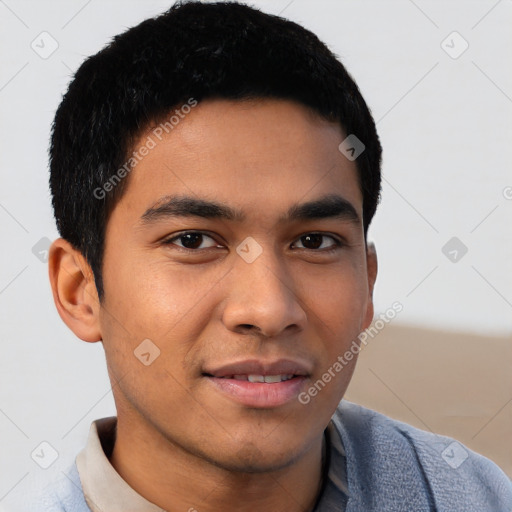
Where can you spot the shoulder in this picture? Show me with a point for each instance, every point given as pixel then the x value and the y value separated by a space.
pixel 394 454
pixel 61 491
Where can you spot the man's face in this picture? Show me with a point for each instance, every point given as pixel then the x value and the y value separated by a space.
pixel 264 295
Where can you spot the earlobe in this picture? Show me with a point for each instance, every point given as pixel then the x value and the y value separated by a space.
pixel 74 290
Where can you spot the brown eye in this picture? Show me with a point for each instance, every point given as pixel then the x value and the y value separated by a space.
pixel 314 241
pixel 191 240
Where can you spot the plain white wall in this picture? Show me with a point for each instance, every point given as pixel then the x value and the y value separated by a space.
pixel 446 128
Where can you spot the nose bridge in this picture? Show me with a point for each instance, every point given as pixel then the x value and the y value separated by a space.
pixel 261 293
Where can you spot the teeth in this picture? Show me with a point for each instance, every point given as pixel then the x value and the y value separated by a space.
pixel 269 379
pixel 266 378
pixel 256 378
pixel 273 378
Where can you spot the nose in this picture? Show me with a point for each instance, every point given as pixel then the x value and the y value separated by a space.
pixel 262 298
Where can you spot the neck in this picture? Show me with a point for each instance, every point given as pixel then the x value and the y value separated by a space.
pixel 176 480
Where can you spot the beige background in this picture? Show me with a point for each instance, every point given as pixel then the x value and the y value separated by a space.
pixel 459 385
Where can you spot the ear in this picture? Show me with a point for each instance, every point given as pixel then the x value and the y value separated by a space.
pixel 371 271
pixel 74 290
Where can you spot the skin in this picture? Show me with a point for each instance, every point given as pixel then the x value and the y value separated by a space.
pixel 181 443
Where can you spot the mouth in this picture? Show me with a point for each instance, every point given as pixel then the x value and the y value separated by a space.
pixel 258 384
pixel 269 379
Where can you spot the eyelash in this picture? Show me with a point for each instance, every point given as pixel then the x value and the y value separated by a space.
pixel 337 242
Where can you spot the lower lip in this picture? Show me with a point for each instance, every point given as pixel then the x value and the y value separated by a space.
pixel 260 394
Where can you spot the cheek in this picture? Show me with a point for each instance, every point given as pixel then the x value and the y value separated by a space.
pixel 150 297
pixel 160 303
pixel 339 298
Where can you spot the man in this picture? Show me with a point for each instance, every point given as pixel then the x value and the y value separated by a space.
pixel 214 172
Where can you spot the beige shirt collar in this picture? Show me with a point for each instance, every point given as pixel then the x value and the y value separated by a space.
pixel 104 489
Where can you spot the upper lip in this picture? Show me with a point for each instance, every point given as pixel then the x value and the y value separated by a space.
pixel 259 367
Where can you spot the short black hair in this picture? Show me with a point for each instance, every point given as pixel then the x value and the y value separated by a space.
pixel 194 50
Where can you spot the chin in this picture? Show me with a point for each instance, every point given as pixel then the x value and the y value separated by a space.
pixel 253 458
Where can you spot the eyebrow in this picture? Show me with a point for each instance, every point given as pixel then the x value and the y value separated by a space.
pixel 326 207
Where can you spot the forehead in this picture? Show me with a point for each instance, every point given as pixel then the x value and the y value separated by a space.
pixel 257 156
